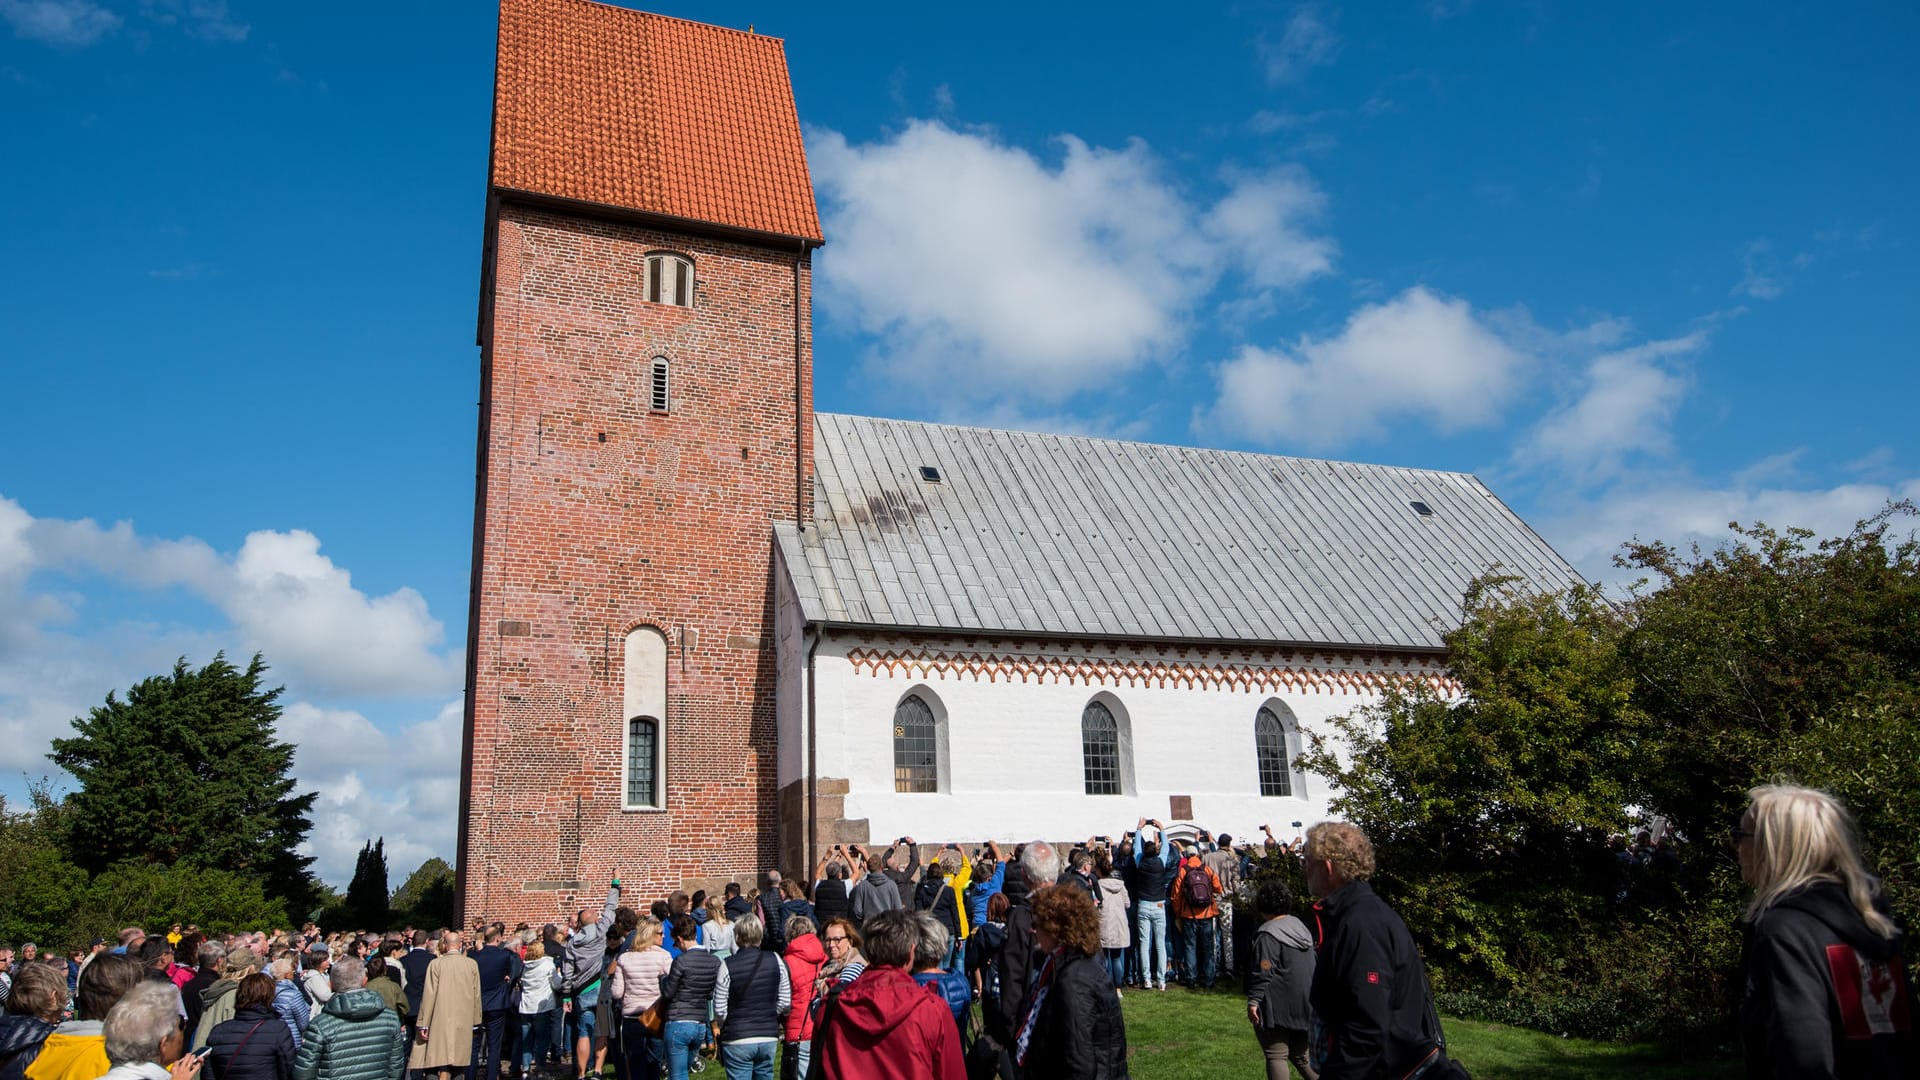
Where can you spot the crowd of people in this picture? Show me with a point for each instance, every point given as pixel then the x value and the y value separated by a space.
pixel 984 964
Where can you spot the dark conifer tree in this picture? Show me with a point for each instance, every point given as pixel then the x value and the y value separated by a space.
pixel 189 770
pixel 366 900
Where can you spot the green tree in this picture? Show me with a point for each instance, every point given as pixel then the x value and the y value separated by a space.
pixel 366 900
pixel 1490 809
pixel 1768 658
pixel 1775 658
pixel 187 770
pixel 39 887
pixel 426 898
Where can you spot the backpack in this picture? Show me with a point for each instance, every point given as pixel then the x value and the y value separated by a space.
pixel 1196 888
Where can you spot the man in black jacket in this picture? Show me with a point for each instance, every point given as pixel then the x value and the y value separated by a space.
pixel 500 972
pixel 1373 1010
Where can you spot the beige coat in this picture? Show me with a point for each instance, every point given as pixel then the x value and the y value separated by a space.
pixel 449 1009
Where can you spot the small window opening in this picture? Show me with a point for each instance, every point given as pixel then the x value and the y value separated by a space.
pixel 660 397
pixel 669 280
pixel 1421 508
pixel 930 474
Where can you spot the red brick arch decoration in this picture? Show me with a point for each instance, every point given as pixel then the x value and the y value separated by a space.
pixel 1317 673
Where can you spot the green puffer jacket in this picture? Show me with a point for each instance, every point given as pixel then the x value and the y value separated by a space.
pixel 356 1037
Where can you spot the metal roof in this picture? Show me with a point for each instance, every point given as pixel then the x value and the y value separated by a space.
pixel 1064 535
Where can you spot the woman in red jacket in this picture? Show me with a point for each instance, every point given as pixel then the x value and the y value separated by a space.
pixel 804 956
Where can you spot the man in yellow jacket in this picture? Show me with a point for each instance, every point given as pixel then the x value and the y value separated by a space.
pixel 77 1049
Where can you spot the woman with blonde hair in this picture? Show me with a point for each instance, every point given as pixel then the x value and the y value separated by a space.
pixel 636 985
pixel 719 928
pixel 1826 993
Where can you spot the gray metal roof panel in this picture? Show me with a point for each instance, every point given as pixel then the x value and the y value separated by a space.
pixel 1029 533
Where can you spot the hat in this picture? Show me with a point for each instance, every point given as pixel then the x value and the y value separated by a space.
pixel 99 941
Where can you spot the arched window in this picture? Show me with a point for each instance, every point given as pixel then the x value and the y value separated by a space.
pixel 1100 749
pixel 657 392
pixel 669 279
pixel 916 746
pixel 1276 742
pixel 646 712
pixel 643 753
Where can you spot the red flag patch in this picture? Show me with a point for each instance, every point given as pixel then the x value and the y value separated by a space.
pixel 1872 996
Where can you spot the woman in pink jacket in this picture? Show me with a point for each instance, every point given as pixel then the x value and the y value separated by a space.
pixel 636 985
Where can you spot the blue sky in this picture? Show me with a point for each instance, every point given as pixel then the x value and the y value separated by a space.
pixel 1644 269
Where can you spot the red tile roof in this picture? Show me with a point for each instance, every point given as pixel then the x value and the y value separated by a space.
pixel 623 108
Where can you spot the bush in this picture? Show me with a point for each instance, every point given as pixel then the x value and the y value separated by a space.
pixel 141 894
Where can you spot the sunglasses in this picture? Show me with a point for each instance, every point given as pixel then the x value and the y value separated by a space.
pixel 831 940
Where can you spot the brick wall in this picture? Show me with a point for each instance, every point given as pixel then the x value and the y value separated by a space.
pixel 600 515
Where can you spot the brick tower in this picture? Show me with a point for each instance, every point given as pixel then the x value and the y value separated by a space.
pixel 645 418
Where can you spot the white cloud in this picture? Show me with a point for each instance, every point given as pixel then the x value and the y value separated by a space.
pixel 279 594
pixel 1761 278
pixel 984 272
pixel 283 596
pixel 1590 534
pixel 1307 43
pixel 73 23
pixel 1258 224
pixel 403 787
pixel 1421 356
pixel 1626 409
pixel 208 20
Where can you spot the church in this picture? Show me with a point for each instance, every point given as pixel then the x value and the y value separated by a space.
pixel 713 632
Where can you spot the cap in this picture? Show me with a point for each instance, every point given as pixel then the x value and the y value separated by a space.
pixel 99 941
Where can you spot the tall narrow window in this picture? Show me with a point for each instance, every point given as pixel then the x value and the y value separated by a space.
pixel 916 747
pixel 1270 745
pixel 669 280
pixel 659 389
pixel 1100 749
pixel 643 750
pixel 646 713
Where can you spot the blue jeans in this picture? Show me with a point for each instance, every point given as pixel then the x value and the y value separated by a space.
pixel 1116 967
pixel 683 1045
pixel 1153 942
pixel 748 1060
pixel 1197 949
pixel 580 1022
pixel 536 1033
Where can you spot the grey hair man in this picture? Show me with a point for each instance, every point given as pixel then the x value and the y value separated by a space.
pixel 206 971
pixel 355 1035
pixel 1040 864
pixel 143 1034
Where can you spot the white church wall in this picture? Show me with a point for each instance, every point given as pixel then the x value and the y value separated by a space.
pixel 1013 764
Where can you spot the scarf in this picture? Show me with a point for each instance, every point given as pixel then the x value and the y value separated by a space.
pixel 1041 984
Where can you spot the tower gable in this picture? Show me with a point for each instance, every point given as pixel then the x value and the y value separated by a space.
pixel 616 108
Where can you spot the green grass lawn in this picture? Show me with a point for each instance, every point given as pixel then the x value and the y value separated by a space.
pixel 1183 1035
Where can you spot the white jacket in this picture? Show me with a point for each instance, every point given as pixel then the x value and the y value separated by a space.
pixel 536 987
